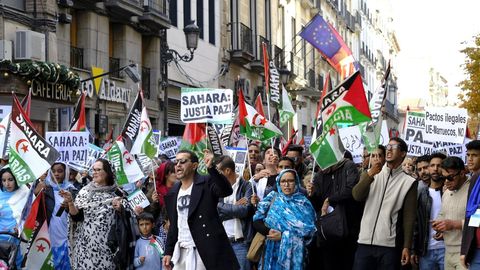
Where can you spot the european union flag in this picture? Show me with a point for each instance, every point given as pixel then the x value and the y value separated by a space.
pixel 326 39
pixel 320 35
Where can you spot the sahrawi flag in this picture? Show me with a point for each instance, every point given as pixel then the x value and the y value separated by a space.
pixel 5 124
pixel 156 246
pixel 286 109
pixel 79 122
pixel 37 251
pixel 253 125
pixel 127 168
pixel 30 154
pixel 137 133
pixel 345 104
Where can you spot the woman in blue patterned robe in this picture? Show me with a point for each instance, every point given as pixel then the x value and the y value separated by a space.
pixel 287 218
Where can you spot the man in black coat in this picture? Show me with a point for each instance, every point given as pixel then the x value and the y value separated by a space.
pixel 196 238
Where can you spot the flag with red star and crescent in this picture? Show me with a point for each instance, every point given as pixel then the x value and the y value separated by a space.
pixel 345 104
pixel 127 168
pixel 137 133
pixel 253 125
pixel 30 155
pixel 37 251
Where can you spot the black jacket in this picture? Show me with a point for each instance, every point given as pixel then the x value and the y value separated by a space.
pixel 121 239
pixel 469 244
pixel 421 232
pixel 205 226
pixel 243 212
pixel 336 184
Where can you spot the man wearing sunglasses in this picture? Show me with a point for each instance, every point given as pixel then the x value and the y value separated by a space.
pixel 196 238
pixel 390 197
pixel 428 246
pixel 449 221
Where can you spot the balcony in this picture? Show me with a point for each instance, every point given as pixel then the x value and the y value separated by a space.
pixel 76 57
pixel 124 9
pixel 279 57
pixel 242 44
pixel 257 64
pixel 391 110
pixel 317 9
pixel 146 82
pixel 155 14
pixel 311 78
pixel 114 66
pixel 358 19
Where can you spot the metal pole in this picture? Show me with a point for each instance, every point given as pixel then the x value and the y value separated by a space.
pixel 164 75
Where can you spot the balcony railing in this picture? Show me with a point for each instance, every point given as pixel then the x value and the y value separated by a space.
pixel 242 39
pixel 279 57
pixel 311 78
pixel 259 48
pixel 114 66
pixel 146 82
pixel 391 109
pixel 160 6
pixel 76 57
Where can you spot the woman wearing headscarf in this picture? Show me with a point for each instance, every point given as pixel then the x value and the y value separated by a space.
pixel 164 180
pixel 12 200
pixel 287 218
pixel 56 181
pixel 92 217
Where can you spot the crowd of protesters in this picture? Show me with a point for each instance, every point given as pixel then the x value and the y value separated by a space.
pixel 391 212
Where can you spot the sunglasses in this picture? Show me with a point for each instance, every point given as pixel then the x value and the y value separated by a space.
pixel 181 161
pixel 392 146
pixel 450 177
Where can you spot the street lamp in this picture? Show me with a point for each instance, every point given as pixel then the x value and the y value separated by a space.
pixel 167 55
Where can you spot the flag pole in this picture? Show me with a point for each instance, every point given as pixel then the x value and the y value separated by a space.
pixel 154 180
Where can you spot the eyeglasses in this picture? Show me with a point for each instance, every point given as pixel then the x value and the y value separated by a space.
pixel 287 182
pixel 392 146
pixel 451 177
pixel 181 161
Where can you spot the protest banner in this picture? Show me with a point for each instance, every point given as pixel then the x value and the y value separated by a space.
pixel 72 146
pixel 239 156
pixel 4 111
pixel 414 135
pixel 352 140
pixel 138 198
pixel 206 105
pixel 445 124
pixel 169 146
pixel 94 153
pixel 308 141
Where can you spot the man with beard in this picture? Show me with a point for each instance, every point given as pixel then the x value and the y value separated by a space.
pixel 421 164
pixel 428 246
pixel 389 215
pixel 254 158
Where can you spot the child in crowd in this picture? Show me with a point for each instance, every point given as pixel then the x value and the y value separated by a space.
pixel 148 249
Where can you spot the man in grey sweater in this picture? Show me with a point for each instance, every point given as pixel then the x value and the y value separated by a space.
pixel 390 197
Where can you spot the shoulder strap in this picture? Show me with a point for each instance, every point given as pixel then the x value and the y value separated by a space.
pixel 273 200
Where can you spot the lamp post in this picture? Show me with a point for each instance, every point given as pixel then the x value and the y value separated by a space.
pixel 168 55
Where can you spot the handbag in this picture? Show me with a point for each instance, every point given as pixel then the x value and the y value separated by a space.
pixel 332 226
pixel 255 250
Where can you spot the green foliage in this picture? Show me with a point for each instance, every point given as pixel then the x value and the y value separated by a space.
pixel 470 96
pixel 43 72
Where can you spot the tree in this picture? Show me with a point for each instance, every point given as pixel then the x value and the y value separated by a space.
pixel 470 96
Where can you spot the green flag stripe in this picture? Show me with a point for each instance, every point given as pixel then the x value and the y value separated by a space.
pixel 20 169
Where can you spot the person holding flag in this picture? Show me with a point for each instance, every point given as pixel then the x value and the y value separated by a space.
pixel 57 181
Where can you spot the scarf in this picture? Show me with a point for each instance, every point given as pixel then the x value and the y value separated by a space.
pixel 294 216
pixel 473 200
pixel 87 195
pixel 160 183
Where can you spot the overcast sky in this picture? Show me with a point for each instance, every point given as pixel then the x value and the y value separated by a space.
pixel 430 34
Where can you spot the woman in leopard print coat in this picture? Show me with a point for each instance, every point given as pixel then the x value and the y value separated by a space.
pixel 92 216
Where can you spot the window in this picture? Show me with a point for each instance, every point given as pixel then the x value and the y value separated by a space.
pixel 211 21
pixel 200 22
pixel 173 13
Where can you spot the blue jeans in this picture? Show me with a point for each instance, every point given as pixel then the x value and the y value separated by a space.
pixel 433 260
pixel 241 249
pixel 475 263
